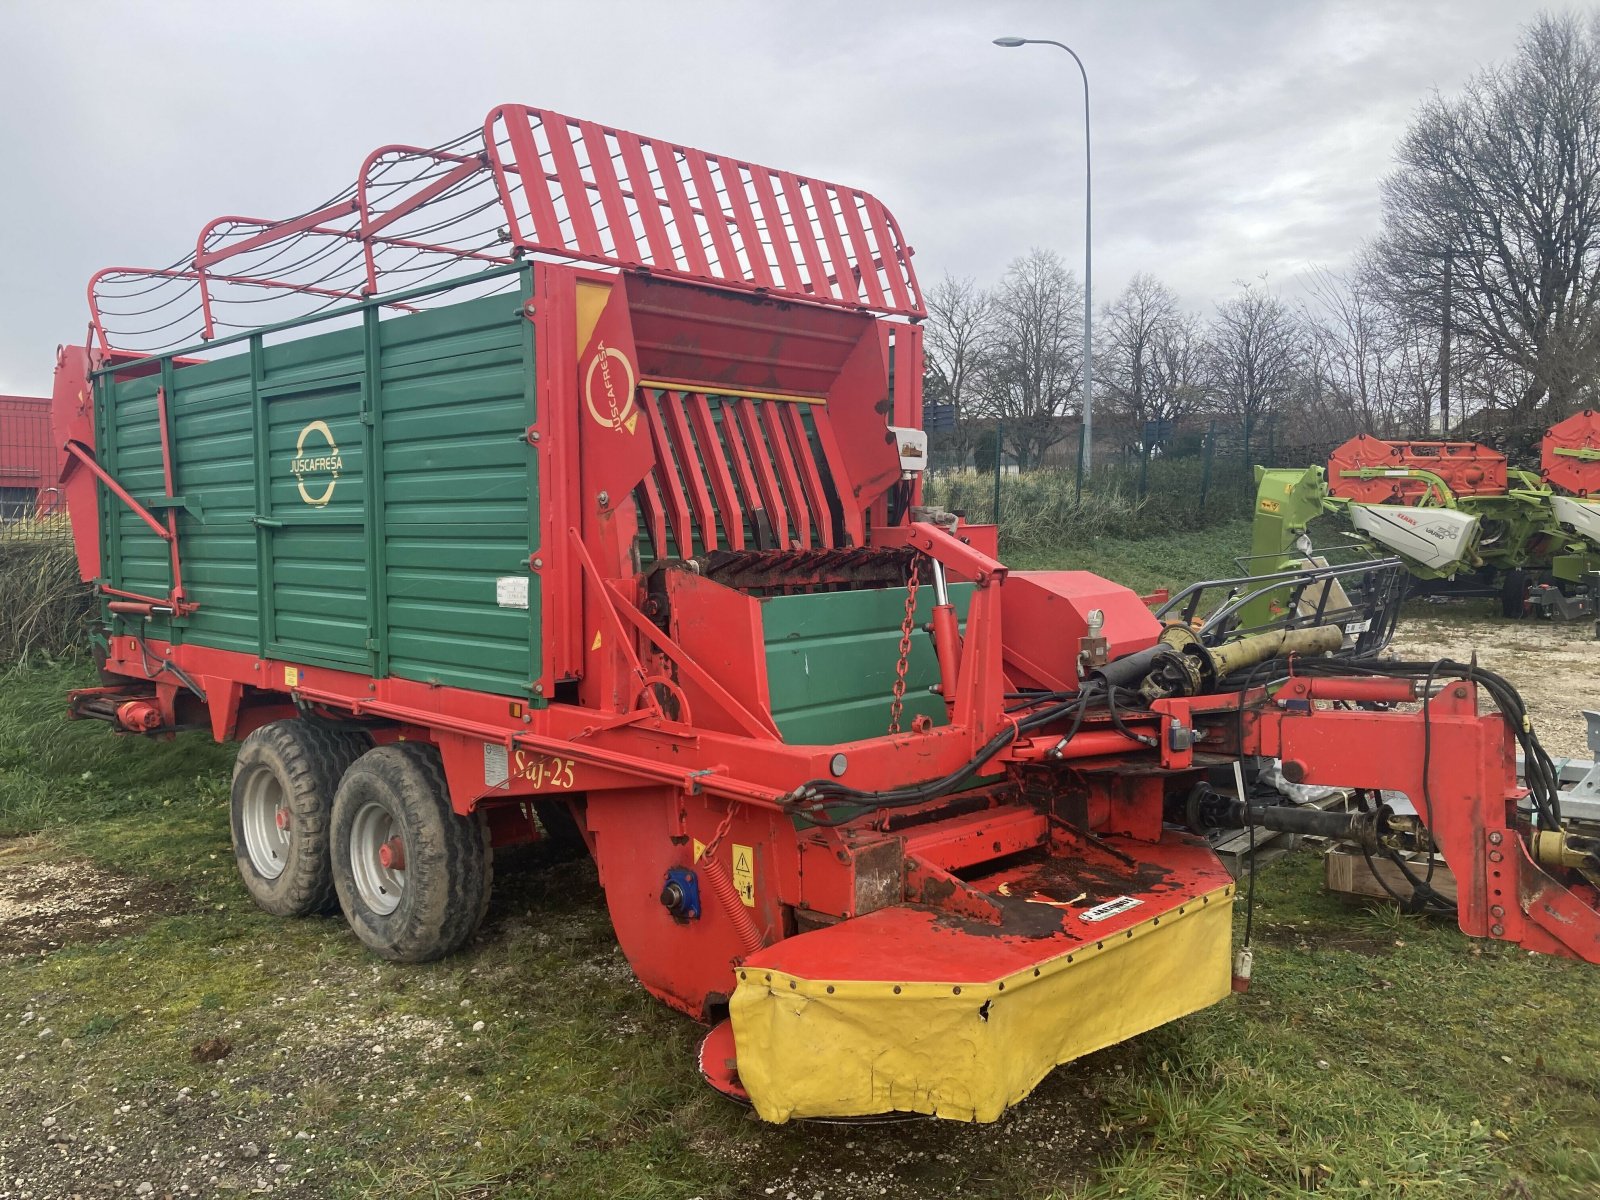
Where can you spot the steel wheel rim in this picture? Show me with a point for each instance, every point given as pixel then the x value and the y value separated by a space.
pixel 264 820
pixel 380 887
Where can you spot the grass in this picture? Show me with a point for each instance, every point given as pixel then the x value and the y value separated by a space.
pixel 47 607
pixel 1042 511
pixel 1376 1054
pixel 1147 563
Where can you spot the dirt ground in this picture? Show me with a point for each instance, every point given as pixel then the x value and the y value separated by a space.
pixel 1554 664
pixel 47 905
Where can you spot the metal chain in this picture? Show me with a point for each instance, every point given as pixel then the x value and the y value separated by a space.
pixel 897 705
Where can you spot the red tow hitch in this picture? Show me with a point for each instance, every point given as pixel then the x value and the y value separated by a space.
pixel 139 716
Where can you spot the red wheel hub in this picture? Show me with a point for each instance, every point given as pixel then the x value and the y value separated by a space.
pixel 392 855
pixel 281 818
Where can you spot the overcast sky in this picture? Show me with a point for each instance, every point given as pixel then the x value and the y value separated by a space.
pixel 1232 138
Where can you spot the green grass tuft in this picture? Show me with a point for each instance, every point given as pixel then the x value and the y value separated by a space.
pixel 47 607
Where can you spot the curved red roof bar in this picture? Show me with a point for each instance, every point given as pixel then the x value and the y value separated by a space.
pixel 571 189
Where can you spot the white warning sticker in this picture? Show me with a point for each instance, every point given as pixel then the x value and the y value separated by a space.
pixel 1110 908
pixel 496 768
pixel 511 591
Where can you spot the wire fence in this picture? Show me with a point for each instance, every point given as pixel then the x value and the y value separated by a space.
pixel 1177 478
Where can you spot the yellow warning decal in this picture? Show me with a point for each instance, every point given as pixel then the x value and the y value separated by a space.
pixel 744 874
pixel 1268 504
pixel 291 677
pixel 699 849
pixel 595 645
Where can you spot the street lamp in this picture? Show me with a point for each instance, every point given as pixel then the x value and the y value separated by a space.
pixel 1088 228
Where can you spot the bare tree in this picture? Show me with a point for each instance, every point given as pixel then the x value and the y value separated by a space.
pixel 1357 383
pixel 1149 357
pixel 1126 349
pixel 1496 203
pixel 1030 374
pixel 1180 370
pixel 956 341
pixel 1254 352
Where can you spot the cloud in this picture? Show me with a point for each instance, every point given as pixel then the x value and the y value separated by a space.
pixel 1230 139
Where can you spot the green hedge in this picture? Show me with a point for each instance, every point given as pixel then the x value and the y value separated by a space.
pixel 1042 510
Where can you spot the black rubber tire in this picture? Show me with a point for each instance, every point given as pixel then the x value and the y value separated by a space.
pixel 449 870
pixel 307 762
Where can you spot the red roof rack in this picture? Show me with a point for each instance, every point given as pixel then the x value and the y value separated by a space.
pixel 530 182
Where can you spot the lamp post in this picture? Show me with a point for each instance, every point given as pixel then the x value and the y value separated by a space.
pixel 1088 259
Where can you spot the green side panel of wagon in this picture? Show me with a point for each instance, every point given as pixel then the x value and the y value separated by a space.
pixel 363 498
pixel 831 659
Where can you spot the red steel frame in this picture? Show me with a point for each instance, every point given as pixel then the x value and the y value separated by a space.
pixel 1570 454
pixel 577 190
pixel 1467 469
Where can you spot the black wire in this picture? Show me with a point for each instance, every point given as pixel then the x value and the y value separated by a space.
pixel 1539 770
pixel 818 794
pixel 1117 723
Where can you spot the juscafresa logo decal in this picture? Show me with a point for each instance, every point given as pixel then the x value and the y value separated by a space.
pixel 316 462
pixel 608 389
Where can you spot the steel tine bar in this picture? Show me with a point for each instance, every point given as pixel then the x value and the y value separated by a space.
pixel 667 478
pixel 866 272
pixel 854 527
pixel 610 188
pixel 777 231
pixel 794 495
pixel 761 460
pixel 683 220
pixel 648 203
pixel 654 514
pixel 690 460
pixel 745 221
pixel 574 190
pixel 530 169
pixel 746 475
pixel 844 284
pixel 810 478
pixel 716 462
pixel 715 214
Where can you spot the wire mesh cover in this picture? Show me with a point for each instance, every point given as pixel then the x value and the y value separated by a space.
pixel 529 182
